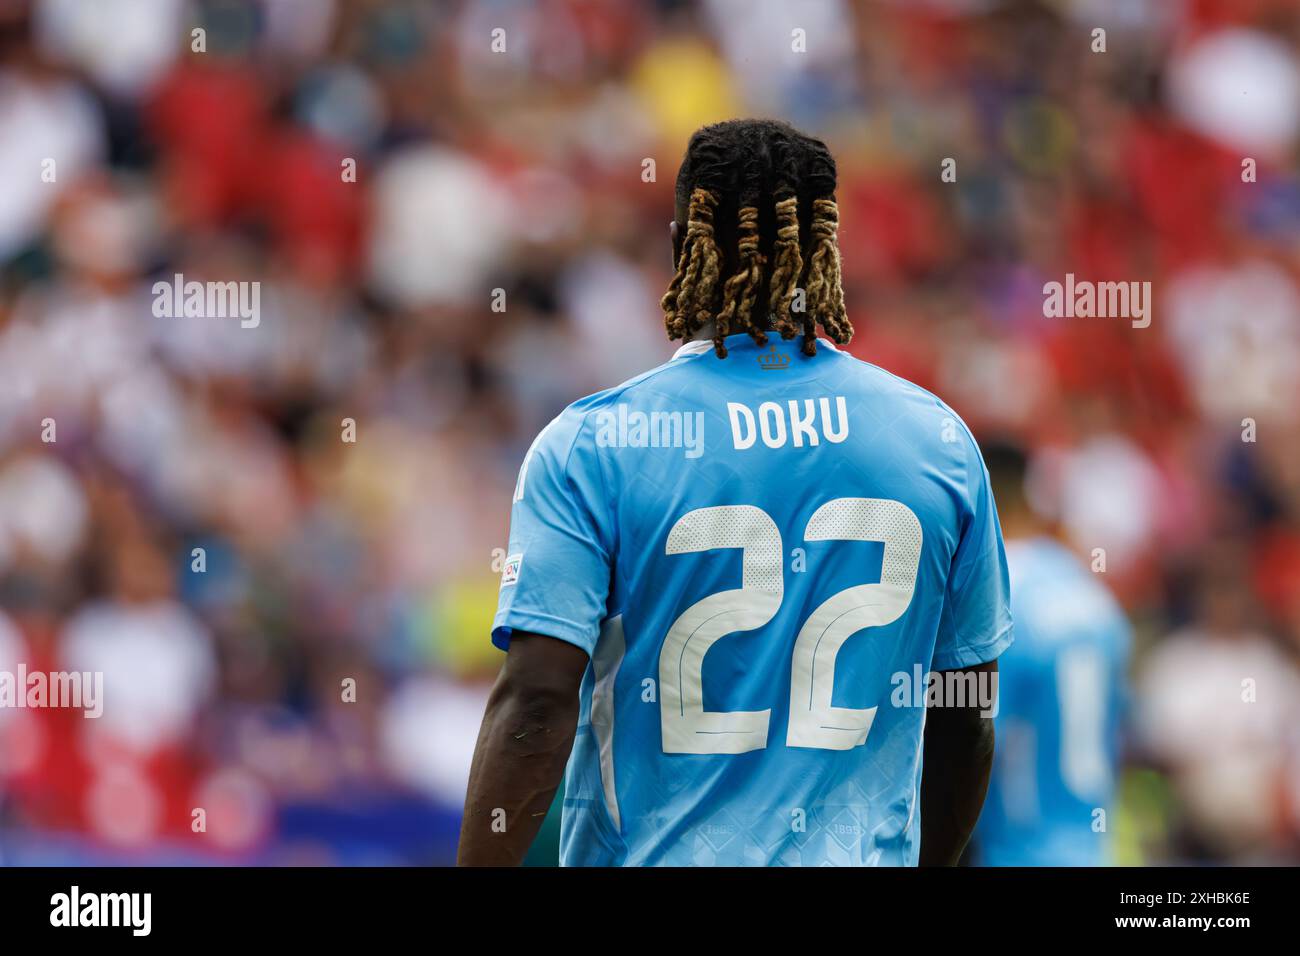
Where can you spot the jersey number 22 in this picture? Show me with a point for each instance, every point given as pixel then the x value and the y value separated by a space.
pixel 814 721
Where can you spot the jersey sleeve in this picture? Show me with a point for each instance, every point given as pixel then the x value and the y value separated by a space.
pixel 975 626
pixel 556 576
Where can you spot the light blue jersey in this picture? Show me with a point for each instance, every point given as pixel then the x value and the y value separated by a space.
pixel 1057 727
pixel 753 550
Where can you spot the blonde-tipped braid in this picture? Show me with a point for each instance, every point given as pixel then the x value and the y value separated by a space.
pixel 824 286
pixel 787 265
pixel 687 304
pixel 741 291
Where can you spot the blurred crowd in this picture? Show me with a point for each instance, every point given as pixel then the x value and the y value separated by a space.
pixel 457 212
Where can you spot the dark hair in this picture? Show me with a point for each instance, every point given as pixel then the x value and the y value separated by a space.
pixel 1008 465
pixel 759 195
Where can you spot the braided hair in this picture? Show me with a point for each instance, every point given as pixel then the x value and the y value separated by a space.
pixel 760 201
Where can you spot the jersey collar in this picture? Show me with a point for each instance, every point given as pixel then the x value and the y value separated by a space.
pixel 700 346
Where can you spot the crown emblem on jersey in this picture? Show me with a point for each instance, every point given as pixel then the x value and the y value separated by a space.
pixel 772 360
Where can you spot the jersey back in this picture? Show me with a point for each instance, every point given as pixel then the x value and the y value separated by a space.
pixel 1061 694
pixel 763 555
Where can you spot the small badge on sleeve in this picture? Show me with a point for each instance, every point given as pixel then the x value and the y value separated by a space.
pixel 510 570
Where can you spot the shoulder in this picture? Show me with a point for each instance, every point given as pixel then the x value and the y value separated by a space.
pixel 931 430
pixel 923 402
pixel 565 430
pixel 568 442
pixel 1057 596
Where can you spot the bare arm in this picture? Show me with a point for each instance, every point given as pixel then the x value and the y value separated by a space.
pixel 958 759
pixel 522 748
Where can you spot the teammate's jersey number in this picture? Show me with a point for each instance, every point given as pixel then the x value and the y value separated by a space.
pixel 814 721
pixel 1082 688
